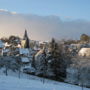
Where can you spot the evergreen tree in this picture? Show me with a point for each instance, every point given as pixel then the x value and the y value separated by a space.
pixel 55 60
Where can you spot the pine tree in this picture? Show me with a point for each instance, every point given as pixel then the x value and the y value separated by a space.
pixel 55 60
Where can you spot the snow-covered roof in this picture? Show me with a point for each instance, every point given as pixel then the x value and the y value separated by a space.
pixel 39 53
pixel 75 46
pixel 29 67
pixel 7 45
pixel 23 51
pixel 25 59
pixel 36 48
pixel 1 44
pixel 84 51
pixel 19 46
pixel 6 50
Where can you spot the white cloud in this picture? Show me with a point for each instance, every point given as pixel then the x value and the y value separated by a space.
pixel 3 10
pixel 13 13
pixel 41 27
pixel 7 11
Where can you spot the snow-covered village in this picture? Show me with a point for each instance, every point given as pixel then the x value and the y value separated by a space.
pixel 44 45
pixel 61 61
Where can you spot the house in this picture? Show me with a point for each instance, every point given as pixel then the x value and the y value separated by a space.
pixel 75 47
pixel 26 55
pixel 23 43
pixel 24 52
pixel 25 60
pixel 7 45
pixel 84 52
pixel 43 44
pixel 1 47
pixel 6 52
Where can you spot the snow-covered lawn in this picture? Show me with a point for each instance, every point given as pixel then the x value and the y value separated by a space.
pixel 14 83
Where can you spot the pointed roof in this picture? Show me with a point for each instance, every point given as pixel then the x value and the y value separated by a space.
pixel 25 35
pixel 27 42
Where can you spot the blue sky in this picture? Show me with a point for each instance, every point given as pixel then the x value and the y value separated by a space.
pixel 69 9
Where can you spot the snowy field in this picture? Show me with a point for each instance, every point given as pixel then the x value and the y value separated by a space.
pixel 14 83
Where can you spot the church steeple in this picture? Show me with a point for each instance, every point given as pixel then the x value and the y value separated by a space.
pixel 27 43
pixel 25 35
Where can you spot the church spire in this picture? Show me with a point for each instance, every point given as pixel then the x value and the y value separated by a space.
pixel 27 43
pixel 25 35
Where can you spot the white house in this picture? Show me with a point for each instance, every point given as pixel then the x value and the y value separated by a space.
pixel 84 52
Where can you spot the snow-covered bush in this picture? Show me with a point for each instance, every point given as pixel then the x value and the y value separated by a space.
pixel 79 71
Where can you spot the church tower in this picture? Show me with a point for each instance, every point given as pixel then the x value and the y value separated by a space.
pixel 26 42
pixel 25 35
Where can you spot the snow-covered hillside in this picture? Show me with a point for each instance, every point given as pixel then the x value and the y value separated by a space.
pixel 14 83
